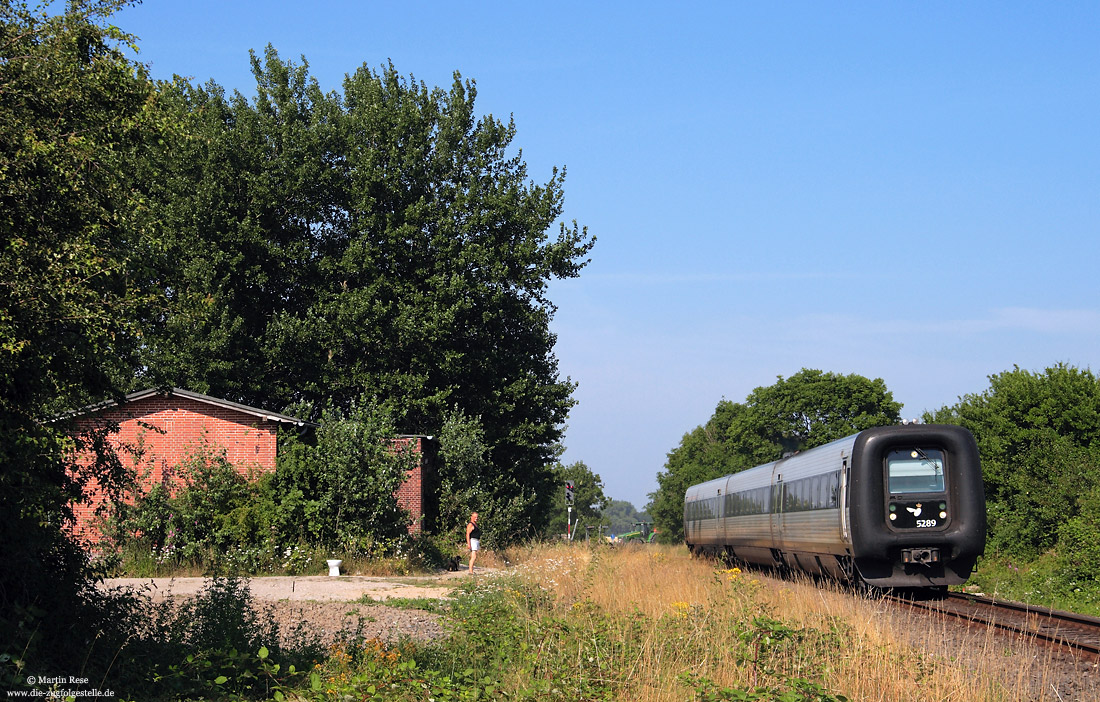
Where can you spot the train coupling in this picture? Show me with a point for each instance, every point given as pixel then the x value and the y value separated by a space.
pixel 921 556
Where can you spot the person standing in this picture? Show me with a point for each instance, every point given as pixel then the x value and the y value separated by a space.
pixel 473 539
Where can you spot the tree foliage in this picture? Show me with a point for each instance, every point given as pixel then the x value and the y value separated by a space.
pixel 703 454
pixel 298 246
pixel 1038 436
pixel 469 481
pixel 1079 541
pixel 380 240
pixel 340 489
pixel 73 112
pixel 808 409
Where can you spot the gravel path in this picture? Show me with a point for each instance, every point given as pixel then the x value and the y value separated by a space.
pixel 326 605
pixel 328 619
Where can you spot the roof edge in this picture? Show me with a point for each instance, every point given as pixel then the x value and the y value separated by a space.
pixel 198 397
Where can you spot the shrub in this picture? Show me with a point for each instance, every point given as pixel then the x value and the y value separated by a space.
pixel 215 645
pixel 340 492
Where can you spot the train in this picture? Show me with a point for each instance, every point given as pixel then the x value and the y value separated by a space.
pixel 889 507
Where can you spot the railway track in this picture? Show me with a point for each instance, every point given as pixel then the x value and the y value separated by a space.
pixel 1077 633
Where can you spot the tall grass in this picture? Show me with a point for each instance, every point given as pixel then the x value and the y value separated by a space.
pixel 658 624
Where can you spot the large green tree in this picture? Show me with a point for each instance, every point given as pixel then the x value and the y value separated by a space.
pixel 380 241
pixel 808 409
pixel 74 112
pixel 1038 434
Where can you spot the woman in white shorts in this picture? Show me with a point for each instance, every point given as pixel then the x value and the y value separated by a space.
pixel 473 539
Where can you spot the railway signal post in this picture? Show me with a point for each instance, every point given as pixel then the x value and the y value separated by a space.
pixel 569 493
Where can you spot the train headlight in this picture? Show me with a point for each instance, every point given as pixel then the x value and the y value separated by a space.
pixel 893 516
pixel 943 515
pixel 893 511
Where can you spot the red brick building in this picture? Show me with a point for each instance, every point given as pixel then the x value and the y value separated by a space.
pixel 159 428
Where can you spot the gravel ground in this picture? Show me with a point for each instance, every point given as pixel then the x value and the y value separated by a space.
pixel 328 619
pixel 1030 671
pixel 326 605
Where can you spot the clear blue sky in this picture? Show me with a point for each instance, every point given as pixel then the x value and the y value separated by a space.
pixel 905 190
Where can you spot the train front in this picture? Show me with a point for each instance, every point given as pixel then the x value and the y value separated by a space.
pixel 917 505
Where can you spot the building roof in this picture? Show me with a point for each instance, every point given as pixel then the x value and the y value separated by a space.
pixel 198 397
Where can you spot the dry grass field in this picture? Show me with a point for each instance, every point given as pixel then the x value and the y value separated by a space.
pixel 692 623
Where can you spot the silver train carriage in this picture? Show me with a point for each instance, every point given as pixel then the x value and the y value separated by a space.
pixel 896 506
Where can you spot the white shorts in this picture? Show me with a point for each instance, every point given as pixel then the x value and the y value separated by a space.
pixel 475 544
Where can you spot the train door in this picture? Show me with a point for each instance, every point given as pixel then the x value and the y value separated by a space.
pixel 778 498
pixel 842 502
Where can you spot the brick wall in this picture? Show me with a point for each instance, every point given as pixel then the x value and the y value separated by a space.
pixel 411 495
pixel 159 432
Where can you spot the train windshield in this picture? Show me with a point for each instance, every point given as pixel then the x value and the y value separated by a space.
pixel 915 470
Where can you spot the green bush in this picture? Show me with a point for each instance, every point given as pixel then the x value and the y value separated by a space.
pixel 216 645
pixel 1079 544
pixel 340 491
pixel 216 511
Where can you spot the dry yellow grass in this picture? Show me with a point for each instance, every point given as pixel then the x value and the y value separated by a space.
pixel 696 616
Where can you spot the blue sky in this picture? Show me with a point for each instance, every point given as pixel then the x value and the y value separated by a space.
pixel 905 190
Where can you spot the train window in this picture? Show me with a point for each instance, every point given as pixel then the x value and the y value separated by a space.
pixel 915 470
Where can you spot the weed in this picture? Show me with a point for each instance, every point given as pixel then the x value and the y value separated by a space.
pixel 426 604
